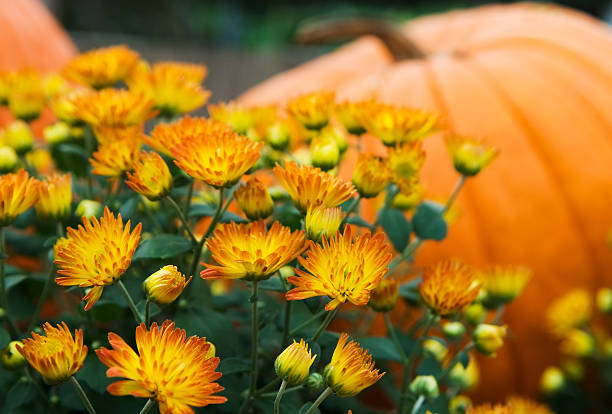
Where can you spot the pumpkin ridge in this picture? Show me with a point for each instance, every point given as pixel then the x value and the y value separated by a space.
pixel 533 139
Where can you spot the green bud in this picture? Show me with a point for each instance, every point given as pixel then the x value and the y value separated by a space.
pixel 425 385
pixel 88 209
pixel 453 330
pixel 315 381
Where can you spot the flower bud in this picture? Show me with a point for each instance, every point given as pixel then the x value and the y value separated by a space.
pixel 469 155
pixel 475 313
pixel 54 197
pixel 435 349
pixel 278 135
pixel 150 176
pixel 293 364
pixel 425 385
pixel 578 344
pixel 315 381
pixel 165 285
pixel 27 105
pixel 324 152
pixel 573 369
pixel 312 110
pixel 464 377
pixel 459 404
pixel 57 133
pixel 18 136
pixel 406 202
pixel 383 298
pixel 10 357
pixel 371 175
pixel 321 221
pixel 552 381
pixel 8 160
pixel 604 300
pixel 278 193
pixel 88 209
pixel 489 338
pixel 254 199
pixel 453 330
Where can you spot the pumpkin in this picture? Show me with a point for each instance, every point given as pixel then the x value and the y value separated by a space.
pixel 535 81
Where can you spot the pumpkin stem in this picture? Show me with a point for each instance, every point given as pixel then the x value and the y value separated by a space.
pixel 333 30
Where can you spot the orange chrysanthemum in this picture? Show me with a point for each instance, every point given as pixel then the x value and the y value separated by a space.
pixel 115 158
pixel 254 199
pixel 116 108
pixel 176 371
pixel 351 369
pixel 219 159
pixel 492 409
pixel 309 186
pixel 351 115
pixel 247 251
pixel 522 405
pixel 394 125
pixel 345 267
pixel 57 356
pixel 312 109
pixel 64 105
pixel 18 192
pixel 448 287
pixel 96 254
pixel 54 197
pixel 26 95
pixel 151 177
pixel 102 67
pixel 242 118
pixel 371 175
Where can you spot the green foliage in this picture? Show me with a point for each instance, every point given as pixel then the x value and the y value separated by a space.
pixel 429 222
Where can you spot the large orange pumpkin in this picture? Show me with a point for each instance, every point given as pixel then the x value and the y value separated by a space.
pixel 536 81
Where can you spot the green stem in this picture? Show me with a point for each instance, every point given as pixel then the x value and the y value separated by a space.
pixel 188 199
pixel 254 345
pixel 394 338
pixel 147 305
pixel 147 407
pixel 287 391
pixel 498 315
pixel 307 322
pixel 218 214
pixel 330 316
pixel 3 294
pixel 43 297
pixel 79 390
pixel 417 405
pixel 183 219
pixel 454 193
pixel 287 324
pixel 279 396
pixel 351 208
pixel 130 301
pixel 407 253
pixel 319 400
pixel 455 360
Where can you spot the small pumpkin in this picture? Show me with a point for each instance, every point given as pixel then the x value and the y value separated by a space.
pixel 536 82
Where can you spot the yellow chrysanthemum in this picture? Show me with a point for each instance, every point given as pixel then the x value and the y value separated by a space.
pixel 102 67
pixel 385 295
pixel 321 221
pixel 115 158
pixel 219 159
pixel 371 175
pixel 242 118
pixel 405 163
pixel 150 177
pixel 96 254
pixel 114 108
pixel 488 339
pixel 352 115
pixel 469 156
pixel 492 409
pixel 570 311
pixel 393 125
pixel 351 369
pixel 248 251
pixel 57 356
pixel 324 152
pixel 254 199
pixel 165 285
pixel 64 105
pixel 448 287
pixel 41 160
pixel 18 192
pixel 54 197
pixel 175 87
pixel 178 372
pixel 27 95
pixel 522 405
pixel 345 267
pixel 503 284
pixel 19 136
pixel 577 343
pixel 312 109
pixel 309 186
pixel 8 159
pixel 293 364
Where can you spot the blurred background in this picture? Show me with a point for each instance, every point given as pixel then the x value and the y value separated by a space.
pixel 242 42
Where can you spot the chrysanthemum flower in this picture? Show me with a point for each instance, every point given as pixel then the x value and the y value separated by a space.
pixel 385 295
pixel 18 192
pixel 115 108
pixel 572 310
pixel 309 186
pixel 41 160
pixel 242 118
pixel 102 67
pixel 312 109
pixel 522 405
pixel 405 163
pixel 165 285
pixel 491 409
pixel 151 177
pixel 248 251
pixel 488 339
pixel 19 136
pixel 469 156
pixel 393 125
pixel 8 159
pixel 345 267
pixel 96 254
pixel 577 343
pixel 57 356
pixel 351 369
pixel 254 199
pixel 321 221
pixel 351 115
pixel 64 105
pixel 448 287
pixel 324 152
pixel 293 364
pixel 175 87
pixel 54 197
pixel 27 95
pixel 115 158
pixel 371 175
pixel 178 372
pixel 503 284
pixel 219 159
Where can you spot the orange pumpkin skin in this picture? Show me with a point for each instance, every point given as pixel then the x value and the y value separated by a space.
pixel 536 81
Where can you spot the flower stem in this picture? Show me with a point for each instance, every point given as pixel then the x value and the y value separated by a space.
pixel 3 296
pixel 418 404
pixel 43 297
pixel 189 195
pixel 307 322
pixel 394 338
pixel 279 396
pixel 330 316
pixel 147 407
pixel 498 315
pixel 407 253
pixel 287 391
pixel 181 217
pixel 319 400
pixel 287 324
pixel 79 390
pixel 130 302
pixel 455 359
pixel 218 214
pixel 254 344
pixel 147 305
pixel 454 193
pixel 354 203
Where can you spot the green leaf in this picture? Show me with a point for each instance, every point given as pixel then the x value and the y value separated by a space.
pixel 381 348
pixel 93 374
pixel 106 312
pixel 129 208
pixel 397 227
pixel 71 157
pixel 231 365
pixel 428 221
pixel 13 280
pixel 464 359
pixel 5 338
pixel 287 215
pixel 163 246
pixel 410 290
pixel 20 393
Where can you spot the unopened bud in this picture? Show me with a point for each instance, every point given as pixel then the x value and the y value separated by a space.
pixel 459 404
pixel 425 385
pixel 475 313
pixel 10 356
pixel 324 152
pixel 489 338
pixel 453 330
pixel 552 380
pixel 604 300
pixel 435 349
pixel 315 381
pixel 88 209
pixel 8 160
